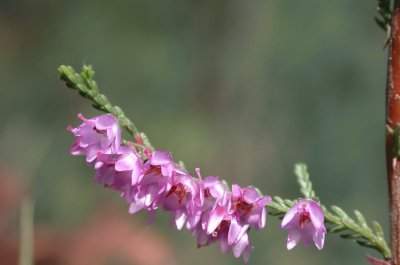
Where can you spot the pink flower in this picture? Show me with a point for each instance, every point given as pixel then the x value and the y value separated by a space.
pixel 148 192
pixel 227 217
pixel 224 225
pixel 305 222
pixel 250 206
pixel 150 189
pixel 163 161
pixel 179 198
pixel 99 134
pixel 211 189
pixel 119 171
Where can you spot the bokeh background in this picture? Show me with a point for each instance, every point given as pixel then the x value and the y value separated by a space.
pixel 242 89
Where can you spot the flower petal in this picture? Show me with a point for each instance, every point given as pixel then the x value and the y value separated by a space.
pixel 293 238
pixel 234 231
pixel 240 246
pixel 251 195
pixel 319 238
pixel 161 158
pixel 291 218
pixel 215 219
pixel 136 206
pixel 236 191
pixel 106 121
pixel 224 245
pixel 263 218
pixel 316 214
pixel 180 219
pixel 246 254
pixel 127 162
pixel 307 233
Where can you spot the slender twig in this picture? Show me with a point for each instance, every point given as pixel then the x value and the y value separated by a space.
pixel 392 123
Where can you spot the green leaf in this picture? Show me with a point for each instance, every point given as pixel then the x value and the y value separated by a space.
pixel 378 229
pixel 342 214
pixel 303 178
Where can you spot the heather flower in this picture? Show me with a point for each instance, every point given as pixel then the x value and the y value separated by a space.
pixel 215 224
pixel 219 213
pixel 149 190
pixel 179 198
pixel 163 161
pixel 112 179
pixel 131 161
pixel 211 189
pixel 119 171
pixel 242 248
pixel 99 134
pixel 224 225
pixel 250 206
pixel 247 210
pixel 305 222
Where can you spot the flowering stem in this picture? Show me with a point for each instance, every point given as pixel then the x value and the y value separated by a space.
pixel 357 230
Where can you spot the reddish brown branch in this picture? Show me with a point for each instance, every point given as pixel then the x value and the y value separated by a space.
pixel 392 121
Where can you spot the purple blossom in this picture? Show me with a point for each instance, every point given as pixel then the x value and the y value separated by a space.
pixel 305 222
pixel 98 134
pixel 179 198
pixel 163 161
pixel 151 187
pixel 211 189
pixel 250 206
pixel 224 225
pixel 148 192
pixel 119 171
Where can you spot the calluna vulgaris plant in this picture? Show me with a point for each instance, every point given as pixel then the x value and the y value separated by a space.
pixel 149 179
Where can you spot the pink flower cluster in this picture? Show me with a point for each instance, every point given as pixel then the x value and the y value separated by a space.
pixel 205 206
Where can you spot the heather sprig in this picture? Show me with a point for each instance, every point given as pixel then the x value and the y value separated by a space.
pixel 87 88
pixel 163 177
pixel 340 222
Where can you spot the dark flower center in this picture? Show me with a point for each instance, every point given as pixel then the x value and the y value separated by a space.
pixel 179 191
pixel 304 217
pixel 99 131
pixel 156 170
pixel 207 192
pixel 242 207
pixel 224 224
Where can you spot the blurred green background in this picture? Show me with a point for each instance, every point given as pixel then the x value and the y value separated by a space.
pixel 242 89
